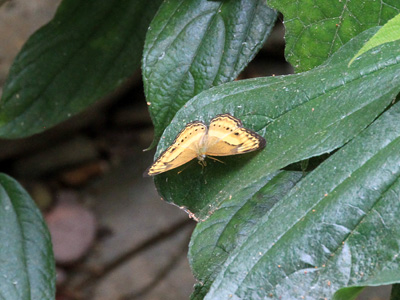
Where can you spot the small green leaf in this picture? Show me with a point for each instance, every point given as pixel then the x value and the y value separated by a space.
pixel 26 257
pixel 338 228
pixel 193 45
pixel 213 240
pixel 84 53
pixel 348 293
pixel 382 276
pixel 317 29
pixel 388 33
pixel 300 116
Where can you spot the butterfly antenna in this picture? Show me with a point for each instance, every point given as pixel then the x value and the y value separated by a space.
pixel 213 158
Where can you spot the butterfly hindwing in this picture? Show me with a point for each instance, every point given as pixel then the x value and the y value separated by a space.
pixel 182 150
pixel 226 136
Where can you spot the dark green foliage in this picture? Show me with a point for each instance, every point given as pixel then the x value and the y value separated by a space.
pixel 323 232
pixel 83 54
pixel 193 45
pixel 26 255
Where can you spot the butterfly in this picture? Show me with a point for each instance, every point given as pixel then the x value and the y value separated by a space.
pixel 224 136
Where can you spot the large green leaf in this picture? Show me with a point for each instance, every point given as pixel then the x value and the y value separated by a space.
pixel 213 240
pixel 84 53
pixel 317 29
pixel 192 45
pixel 26 257
pixel 338 227
pixel 300 116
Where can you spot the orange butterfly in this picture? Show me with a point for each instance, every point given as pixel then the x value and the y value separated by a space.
pixel 225 136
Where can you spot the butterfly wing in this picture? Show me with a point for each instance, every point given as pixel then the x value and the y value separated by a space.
pixel 226 136
pixel 183 149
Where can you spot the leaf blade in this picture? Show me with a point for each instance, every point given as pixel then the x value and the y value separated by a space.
pixel 360 183
pixel 225 230
pixel 28 268
pixel 84 53
pixel 192 45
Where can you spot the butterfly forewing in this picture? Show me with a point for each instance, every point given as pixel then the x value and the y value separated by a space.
pixel 226 136
pixel 183 149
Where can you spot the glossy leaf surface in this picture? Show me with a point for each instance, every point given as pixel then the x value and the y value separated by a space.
pixel 193 45
pixel 300 116
pixel 338 227
pixel 312 238
pixel 214 240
